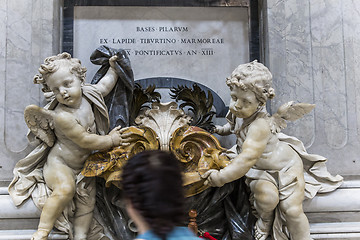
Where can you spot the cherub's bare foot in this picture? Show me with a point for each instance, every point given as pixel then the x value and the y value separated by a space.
pixel 262 230
pixel 40 235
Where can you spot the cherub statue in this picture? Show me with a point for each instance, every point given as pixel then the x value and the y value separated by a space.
pixel 71 127
pixel 272 162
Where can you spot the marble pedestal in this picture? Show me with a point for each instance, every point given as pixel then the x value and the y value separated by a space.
pixel 334 215
pixel 311 47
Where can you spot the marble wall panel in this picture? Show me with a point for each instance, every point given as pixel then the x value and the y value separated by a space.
pixel 291 48
pixel 328 71
pixel 29 33
pixel 3 8
pixel 351 29
pixel 18 55
pixel 312 54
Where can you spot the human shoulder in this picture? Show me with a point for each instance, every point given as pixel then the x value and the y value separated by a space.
pixel 260 125
pixel 182 233
pixel 64 119
pixel 178 233
pixel 63 115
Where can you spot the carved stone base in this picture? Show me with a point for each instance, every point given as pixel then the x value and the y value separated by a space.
pixel 26 235
pixel 335 215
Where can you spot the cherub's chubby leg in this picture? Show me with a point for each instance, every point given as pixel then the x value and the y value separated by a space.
pixel 40 235
pixel 61 179
pixel 292 208
pixel 266 198
pixel 84 209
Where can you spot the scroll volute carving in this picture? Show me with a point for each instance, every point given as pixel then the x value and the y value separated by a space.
pixel 198 151
pixel 164 119
pixel 109 164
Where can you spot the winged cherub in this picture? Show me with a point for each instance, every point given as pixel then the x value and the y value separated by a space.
pixel 274 170
pixel 74 127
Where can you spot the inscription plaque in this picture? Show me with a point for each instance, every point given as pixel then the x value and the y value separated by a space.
pixel 202 44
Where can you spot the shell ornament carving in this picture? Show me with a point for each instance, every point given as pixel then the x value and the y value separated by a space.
pixel 164 126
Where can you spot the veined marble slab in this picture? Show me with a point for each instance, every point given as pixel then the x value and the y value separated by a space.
pixel 313 49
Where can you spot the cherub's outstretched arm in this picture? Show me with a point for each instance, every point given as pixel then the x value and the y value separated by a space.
pixel 223 130
pixel 67 125
pixel 107 83
pixel 252 149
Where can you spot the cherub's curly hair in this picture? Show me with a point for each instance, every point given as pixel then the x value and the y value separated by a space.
pixel 254 76
pixel 152 181
pixel 52 64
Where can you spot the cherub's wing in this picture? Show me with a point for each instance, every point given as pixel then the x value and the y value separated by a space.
pixel 40 122
pixel 289 111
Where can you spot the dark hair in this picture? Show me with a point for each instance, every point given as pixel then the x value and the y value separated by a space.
pixel 152 181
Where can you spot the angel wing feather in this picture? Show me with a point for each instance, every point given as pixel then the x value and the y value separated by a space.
pixel 40 122
pixel 289 111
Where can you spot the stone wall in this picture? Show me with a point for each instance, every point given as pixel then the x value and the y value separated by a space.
pixel 310 46
pixel 312 52
pixel 29 32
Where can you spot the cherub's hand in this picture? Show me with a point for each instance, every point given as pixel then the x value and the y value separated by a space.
pixel 223 130
pixel 217 129
pixel 119 138
pixel 115 136
pixel 49 96
pixel 112 61
pixel 125 137
pixel 213 178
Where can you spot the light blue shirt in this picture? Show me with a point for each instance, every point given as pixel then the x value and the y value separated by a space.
pixel 178 233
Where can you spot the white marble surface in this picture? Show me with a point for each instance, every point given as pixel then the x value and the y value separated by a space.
pixel 313 49
pixel 8 209
pixel 330 206
pixel 229 26
pixel 341 200
pixel 29 32
pixel 312 54
pixel 26 235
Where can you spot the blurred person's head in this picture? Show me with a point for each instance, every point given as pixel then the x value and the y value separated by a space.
pixel 152 184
